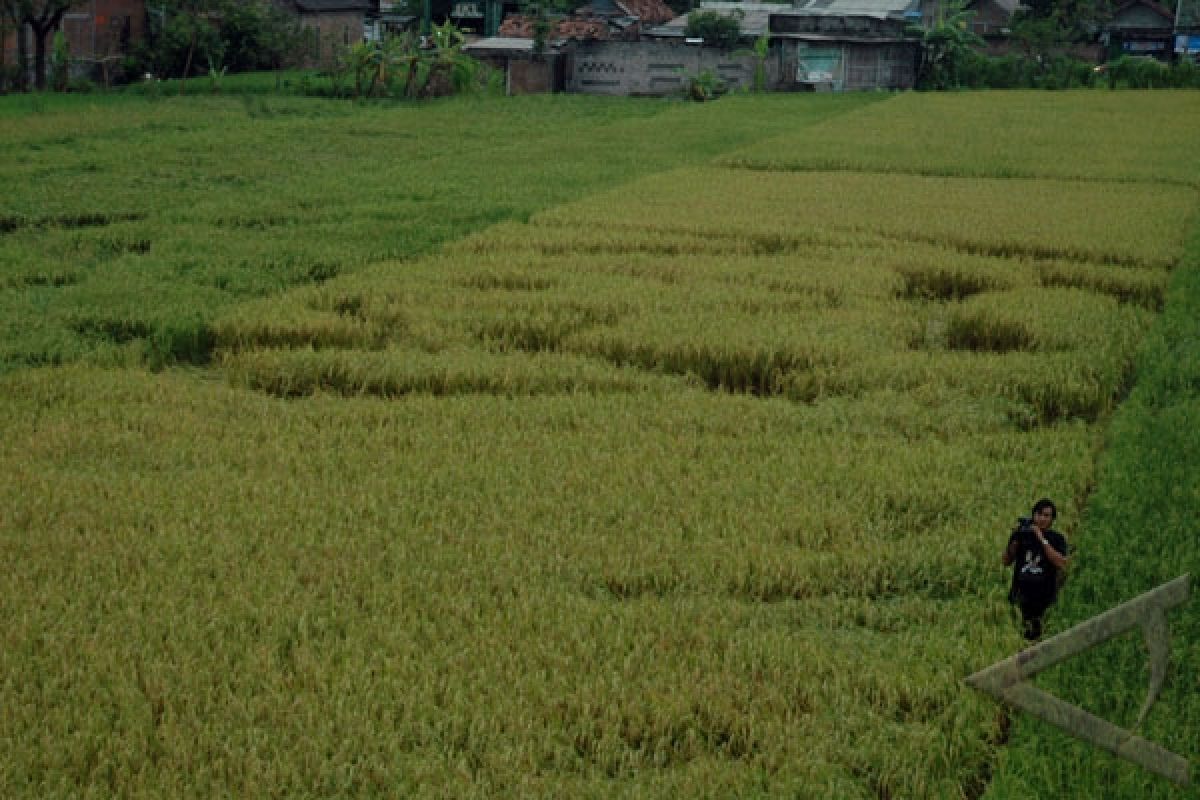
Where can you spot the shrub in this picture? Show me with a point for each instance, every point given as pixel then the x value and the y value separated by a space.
pixel 705 86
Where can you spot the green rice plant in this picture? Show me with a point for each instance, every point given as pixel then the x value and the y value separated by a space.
pixel 1023 136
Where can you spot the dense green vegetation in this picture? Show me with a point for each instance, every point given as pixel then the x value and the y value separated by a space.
pixel 564 447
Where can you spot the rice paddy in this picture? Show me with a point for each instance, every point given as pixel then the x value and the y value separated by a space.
pixel 688 482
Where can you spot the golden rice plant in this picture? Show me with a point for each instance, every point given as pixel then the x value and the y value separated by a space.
pixel 1118 223
pixel 747 352
pixel 299 319
pixel 1142 286
pixel 936 274
pixel 393 372
pixel 490 594
pixel 1040 319
pixel 548 238
pixel 1045 386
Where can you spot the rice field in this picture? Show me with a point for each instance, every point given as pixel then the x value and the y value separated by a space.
pixel 691 483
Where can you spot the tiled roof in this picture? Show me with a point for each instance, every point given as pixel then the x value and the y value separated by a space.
pixel 519 26
pixel 650 12
pixel 500 44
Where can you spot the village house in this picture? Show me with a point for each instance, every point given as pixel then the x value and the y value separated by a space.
pixel 991 21
pixel 332 25
pixel 1141 28
pixel 98 33
pixel 639 47
pixel 812 45
pixel 103 31
pixel 514 51
pixel 1136 27
pixel 388 18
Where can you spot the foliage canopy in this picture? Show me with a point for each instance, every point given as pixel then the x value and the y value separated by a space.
pixel 715 28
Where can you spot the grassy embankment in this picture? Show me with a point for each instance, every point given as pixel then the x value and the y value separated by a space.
pixel 693 488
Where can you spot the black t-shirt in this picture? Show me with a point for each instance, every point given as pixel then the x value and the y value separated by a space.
pixel 1034 578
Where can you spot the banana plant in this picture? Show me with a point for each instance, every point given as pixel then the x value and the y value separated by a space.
pixel 449 70
pixel 945 45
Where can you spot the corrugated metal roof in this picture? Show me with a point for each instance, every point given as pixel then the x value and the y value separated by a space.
pixel 1008 6
pixel 334 5
pixel 650 12
pixel 754 22
pixel 757 16
pixel 852 8
pixel 507 44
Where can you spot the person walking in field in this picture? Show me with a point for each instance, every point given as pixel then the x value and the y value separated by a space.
pixel 1039 557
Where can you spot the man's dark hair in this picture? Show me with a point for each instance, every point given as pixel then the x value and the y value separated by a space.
pixel 1046 503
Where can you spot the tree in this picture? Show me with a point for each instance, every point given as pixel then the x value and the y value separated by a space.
pixel 233 35
pixel 449 70
pixel 43 18
pixel 1046 27
pixel 194 19
pixel 183 34
pixel 719 30
pixel 945 46
pixel 7 19
pixel 283 41
pixel 258 35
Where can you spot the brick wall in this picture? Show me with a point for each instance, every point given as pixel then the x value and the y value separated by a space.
pixel 102 28
pixel 94 30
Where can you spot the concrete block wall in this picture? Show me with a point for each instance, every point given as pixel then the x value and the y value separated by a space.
pixel 654 68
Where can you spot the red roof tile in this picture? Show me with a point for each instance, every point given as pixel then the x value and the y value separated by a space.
pixel 650 12
pixel 521 26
